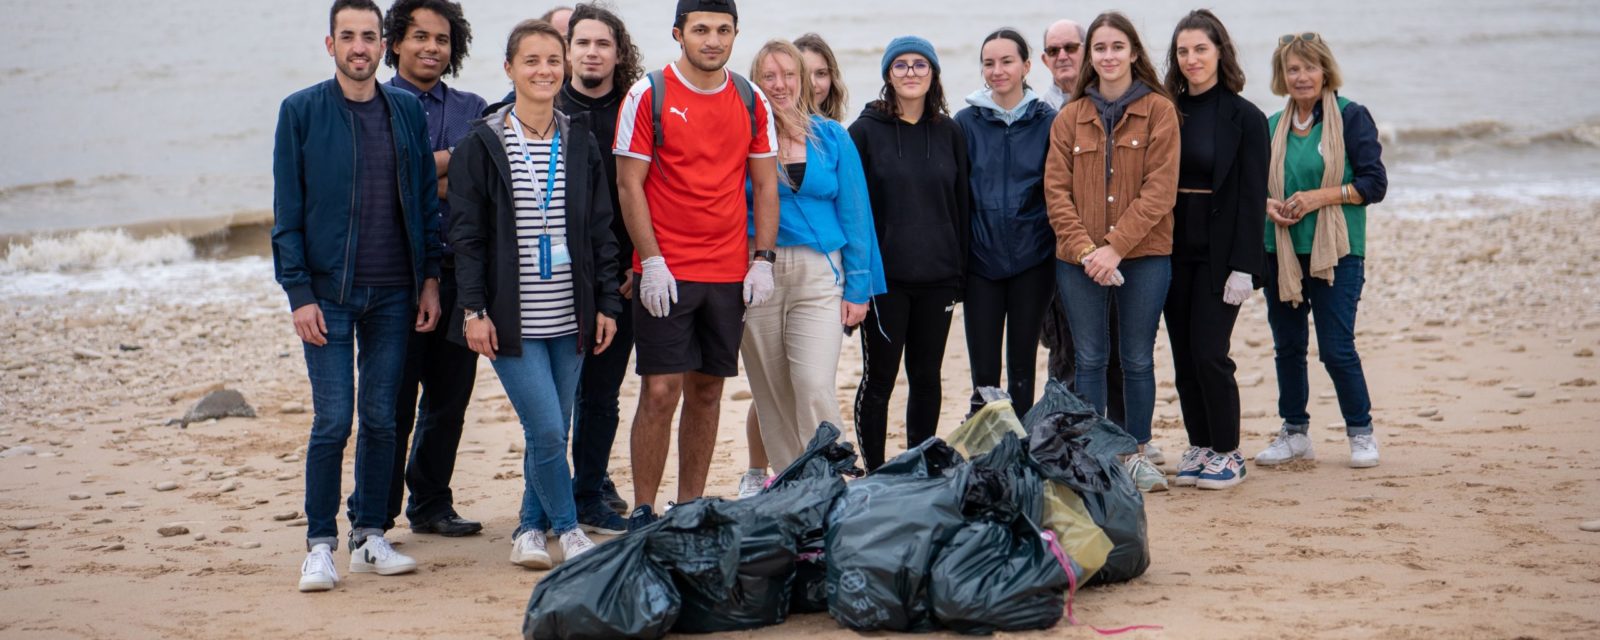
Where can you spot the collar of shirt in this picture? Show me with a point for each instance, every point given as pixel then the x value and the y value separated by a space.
pixel 437 92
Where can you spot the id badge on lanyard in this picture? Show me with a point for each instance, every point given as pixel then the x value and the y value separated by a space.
pixel 549 256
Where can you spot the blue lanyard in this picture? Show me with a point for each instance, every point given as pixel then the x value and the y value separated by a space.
pixel 533 173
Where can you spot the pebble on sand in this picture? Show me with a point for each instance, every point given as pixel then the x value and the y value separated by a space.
pixel 1526 393
pixel 297 522
pixel 742 394
pixel 1427 413
pixel 287 515
pixel 250 545
pixel 79 496
pixel 131 506
pixel 25 526
pixel 14 452
pixel 1583 353
pixel 173 530
pixel 1591 526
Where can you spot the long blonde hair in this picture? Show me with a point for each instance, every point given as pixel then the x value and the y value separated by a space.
pixel 795 119
pixel 832 107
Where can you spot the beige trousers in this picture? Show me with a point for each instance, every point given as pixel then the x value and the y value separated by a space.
pixel 791 352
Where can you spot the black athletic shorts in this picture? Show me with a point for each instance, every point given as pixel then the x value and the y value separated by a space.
pixel 701 332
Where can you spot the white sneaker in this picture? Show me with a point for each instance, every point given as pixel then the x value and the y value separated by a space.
pixel 1154 455
pixel 751 483
pixel 529 551
pixel 1363 452
pixel 574 544
pixel 376 556
pixel 1286 447
pixel 1189 468
pixel 1146 476
pixel 317 572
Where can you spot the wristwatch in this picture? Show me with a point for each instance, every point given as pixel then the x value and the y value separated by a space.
pixel 475 314
pixel 766 254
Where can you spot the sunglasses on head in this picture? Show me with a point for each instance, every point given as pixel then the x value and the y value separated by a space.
pixel 1309 36
pixel 1070 48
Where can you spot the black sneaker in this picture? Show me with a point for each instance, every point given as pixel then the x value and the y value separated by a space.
pixel 641 518
pixel 609 495
pixel 449 525
pixel 596 517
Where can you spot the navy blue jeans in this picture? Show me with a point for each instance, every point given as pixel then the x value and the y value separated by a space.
pixel 541 384
pixel 371 327
pixel 1334 306
pixel 1139 301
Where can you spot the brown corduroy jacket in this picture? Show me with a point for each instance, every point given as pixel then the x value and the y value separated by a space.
pixel 1135 217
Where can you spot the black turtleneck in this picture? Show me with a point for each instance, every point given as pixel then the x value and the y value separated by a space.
pixel 603 121
pixel 1199 138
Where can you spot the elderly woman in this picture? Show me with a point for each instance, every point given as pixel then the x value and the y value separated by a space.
pixel 1326 167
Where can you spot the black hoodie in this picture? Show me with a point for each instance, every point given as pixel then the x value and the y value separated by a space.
pixel 917 179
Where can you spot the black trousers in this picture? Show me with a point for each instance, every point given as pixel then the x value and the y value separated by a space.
pixel 914 323
pixel 446 372
pixel 595 418
pixel 1010 310
pixel 1062 362
pixel 1200 327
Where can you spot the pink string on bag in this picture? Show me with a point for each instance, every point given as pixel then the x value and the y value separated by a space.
pixel 1072 588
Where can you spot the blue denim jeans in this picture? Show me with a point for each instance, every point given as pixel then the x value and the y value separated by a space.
pixel 372 328
pixel 541 384
pixel 1334 306
pixel 1139 302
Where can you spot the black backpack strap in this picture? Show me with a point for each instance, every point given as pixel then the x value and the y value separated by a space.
pixel 658 86
pixel 748 95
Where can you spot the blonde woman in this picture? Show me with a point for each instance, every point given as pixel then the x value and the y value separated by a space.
pixel 827 84
pixel 1322 174
pixel 826 271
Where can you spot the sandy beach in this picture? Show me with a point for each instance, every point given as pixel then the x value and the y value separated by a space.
pixel 1478 337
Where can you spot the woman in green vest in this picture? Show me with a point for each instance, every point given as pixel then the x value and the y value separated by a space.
pixel 1324 171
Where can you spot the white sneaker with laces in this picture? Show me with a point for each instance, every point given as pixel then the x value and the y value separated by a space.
pixel 1363 452
pixel 1154 454
pixel 574 544
pixel 751 483
pixel 529 551
pixel 1146 476
pixel 1286 447
pixel 317 572
pixel 376 556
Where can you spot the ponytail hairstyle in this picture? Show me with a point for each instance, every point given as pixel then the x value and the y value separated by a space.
pixel 1022 48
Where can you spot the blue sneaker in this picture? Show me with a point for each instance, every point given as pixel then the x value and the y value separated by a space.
pixel 1193 462
pixel 641 517
pixel 1222 472
pixel 596 517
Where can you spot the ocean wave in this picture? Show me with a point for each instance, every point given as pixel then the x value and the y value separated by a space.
pixel 96 249
pixel 1493 133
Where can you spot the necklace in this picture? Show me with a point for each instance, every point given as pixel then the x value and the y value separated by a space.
pixel 1298 124
pixel 535 132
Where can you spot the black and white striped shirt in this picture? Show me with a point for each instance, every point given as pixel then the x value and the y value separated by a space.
pixel 548 307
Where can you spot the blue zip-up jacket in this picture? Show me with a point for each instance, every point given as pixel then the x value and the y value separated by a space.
pixel 1011 230
pixel 314 192
pixel 831 211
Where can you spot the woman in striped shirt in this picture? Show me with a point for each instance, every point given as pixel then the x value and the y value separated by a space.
pixel 535 257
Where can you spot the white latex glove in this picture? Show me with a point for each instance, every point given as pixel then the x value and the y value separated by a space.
pixel 1237 289
pixel 1117 279
pixel 658 290
pixel 758 283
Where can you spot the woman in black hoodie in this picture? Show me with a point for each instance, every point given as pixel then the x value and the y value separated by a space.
pixel 915 160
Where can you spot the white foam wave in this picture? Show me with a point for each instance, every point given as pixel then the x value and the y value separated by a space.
pixel 90 250
pixel 244 281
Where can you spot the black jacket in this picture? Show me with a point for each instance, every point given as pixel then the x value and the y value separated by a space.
pixel 917 180
pixel 1238 188
pixel 603 122
pixel 483 231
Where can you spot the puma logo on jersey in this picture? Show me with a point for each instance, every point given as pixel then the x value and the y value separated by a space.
pixel 681 113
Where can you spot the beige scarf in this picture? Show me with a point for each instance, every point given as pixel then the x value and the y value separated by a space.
pixel 1332 239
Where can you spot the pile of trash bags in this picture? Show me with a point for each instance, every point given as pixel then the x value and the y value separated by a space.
pixel 988 530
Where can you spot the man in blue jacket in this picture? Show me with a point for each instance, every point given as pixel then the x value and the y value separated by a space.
pixel 355 245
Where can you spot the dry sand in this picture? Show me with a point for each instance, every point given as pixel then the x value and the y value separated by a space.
pixel 1470 528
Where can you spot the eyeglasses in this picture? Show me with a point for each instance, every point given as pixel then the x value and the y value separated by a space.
pixel 1068 48
pixel 903 69
pixel 1309 36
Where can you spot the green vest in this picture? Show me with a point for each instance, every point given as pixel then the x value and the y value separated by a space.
pixel 1302 171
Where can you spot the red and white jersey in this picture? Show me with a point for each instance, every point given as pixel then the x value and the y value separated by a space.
pixel 696 183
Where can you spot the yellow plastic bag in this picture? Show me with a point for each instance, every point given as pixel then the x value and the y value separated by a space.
pixel 984 429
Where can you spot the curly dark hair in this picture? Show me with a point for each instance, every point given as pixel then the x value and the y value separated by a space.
pixel 933 103
pixel 399 23
pixel 630 65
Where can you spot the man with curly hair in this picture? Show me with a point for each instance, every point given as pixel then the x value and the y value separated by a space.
pixel 605 63
pixel 428 40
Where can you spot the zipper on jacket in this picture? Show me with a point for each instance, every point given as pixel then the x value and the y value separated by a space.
pixel 350 218
pixel 405 220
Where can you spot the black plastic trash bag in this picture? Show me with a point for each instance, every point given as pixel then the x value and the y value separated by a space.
pixel 697 543
pixel 1002 485
pixel 998 576
pixel 614 591
pixel 884 535
pixel 826 457
pixel 773 526
pixel 1119 510
pixel 1101 437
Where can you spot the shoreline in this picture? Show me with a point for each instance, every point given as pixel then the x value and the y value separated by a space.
pixel 1469 528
